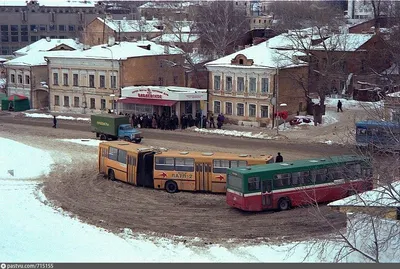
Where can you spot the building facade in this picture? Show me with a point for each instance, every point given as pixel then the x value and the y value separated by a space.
pixel 248 87
pixel 90 81
pixel 24 22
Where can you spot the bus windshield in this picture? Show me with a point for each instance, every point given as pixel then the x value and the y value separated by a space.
pixel 235 182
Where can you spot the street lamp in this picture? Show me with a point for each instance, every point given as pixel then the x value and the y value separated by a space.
pixel 112 76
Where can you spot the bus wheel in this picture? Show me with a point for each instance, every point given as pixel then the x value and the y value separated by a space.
pixel 283 204
pixel 111 175
pixel 103 137
pixel 171 186
pixel 126 138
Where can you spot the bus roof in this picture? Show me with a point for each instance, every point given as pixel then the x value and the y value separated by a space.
pixel 375 123
pixel 296 164
pixel 214 155
pixel 126 146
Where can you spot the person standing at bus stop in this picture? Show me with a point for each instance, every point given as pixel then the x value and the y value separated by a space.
pixel 279 158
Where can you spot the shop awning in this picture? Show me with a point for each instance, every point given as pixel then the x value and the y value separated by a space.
pixel 142 101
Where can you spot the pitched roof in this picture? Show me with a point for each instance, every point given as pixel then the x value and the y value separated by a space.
pixel 31 59
pixel 344 42
pixel 51 3
pixel 385 196
pixel 263 55
pixel 169 5
pixel 48 44
pixel 176 38
pixel 132 26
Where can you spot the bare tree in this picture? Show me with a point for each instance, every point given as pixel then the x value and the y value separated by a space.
pixel 220 26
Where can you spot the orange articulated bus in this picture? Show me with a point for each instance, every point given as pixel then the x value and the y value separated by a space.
pixel 171 170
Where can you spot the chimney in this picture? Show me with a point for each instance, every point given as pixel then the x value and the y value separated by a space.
pixel 108 17
pixel 111 41
pixel 48 39
pixel 166 49
pixel 124 18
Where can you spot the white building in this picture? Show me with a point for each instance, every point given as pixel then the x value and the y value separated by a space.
pixel 159 99
pixel 359 10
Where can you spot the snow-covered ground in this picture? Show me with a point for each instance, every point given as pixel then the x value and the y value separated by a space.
pixel 49 116
pixel 87 142
pixel 350 104
pixel 258 135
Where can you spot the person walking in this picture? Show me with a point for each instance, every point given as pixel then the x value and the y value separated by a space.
pixel 279 158
pixel 339 106
pixel 54 122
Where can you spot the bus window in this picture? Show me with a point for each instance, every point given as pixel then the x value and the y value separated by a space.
pixel 238 163
pixel 361 131
pixel 298 178
pixel 353 171
pixel 235 182
pixel 253 183
pixel 184 164
pixel 242 163
pixel 220 166
pixel 318 176
pixel 165 163
pixel 113 153
pixel 335 173
pixel 121 156
pixel 366 172
pixel 266 186
pixel 282 180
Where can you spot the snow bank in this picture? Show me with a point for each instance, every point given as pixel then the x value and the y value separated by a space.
pixel 349 104
pixel 20 161
pixel 87 142
pixel 259 135
pixel 48 116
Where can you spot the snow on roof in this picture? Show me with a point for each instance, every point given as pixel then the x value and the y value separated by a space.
pixel 385 196
pixel 129 26
pixel 169 5
pixel 177 38
pixel 263 56
pixel 167 88
pixel 289 41
pixel 344 42
pixel 46 45
pixel 120 51
pixel 50 3
pixel 392 70
pixel 3 59
pixel 31 59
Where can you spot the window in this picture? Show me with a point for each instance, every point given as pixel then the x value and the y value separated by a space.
pixel 165 163
pixel 12 78
pixel 253 85
pixel 252 110
pixel 113 153
pixel 76 101
pixel 240 109
pixel 184 164
pixel 34 38
pixel 264 85
pixel 52 27
pixel 240 84
pixel 253 183
pixel 228 108
pixel 102 81
pixel 34 28
pixel 238 164
pixel 131 160
pixel 103 104
pixel 27 80
pixel 55 78
pixel 114 82
pixel 121 156
pixel 234 181
pixel 241 61
pixel 160 81
pixel 217 107
pixel 319 176
pixel 188 107
pixel 228 86
pixel 61 28
pixel 14 39
pixel 91 81
pixel 65 79
pixel 56 100
pixel 299 178
pixel 66 101
pixel 75 78
pixel 220 166
pixel 282 181
pixel 42 27
pixel 353 171
pixel 217 83
pixel 264 111
pixel 20 79
pixel 71 28
pixel 92 103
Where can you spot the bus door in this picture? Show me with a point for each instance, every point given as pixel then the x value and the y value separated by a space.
pixel 103 156
pixel 131 169
pixel 203 177
pixel 266 195
pixel 145 169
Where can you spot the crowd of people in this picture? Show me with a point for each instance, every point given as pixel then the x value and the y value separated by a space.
pixel 166 122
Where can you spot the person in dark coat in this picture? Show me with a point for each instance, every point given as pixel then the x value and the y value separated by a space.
pixel 212 121
pixel 279 158
pixel 54 122
pixel 339 106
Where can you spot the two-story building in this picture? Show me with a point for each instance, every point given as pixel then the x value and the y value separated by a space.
pixel 252 84
pixel 27 74
pixel 90 81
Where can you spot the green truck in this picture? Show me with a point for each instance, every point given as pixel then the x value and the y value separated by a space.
pixel 113 127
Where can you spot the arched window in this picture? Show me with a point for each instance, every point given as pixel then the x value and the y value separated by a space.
pixel 241 61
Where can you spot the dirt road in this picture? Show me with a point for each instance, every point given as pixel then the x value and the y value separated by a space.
pixel 76 188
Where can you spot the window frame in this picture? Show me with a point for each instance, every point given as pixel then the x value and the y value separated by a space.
pixel 264 85
pixel 237 109
pixel 217 82
pixel 240 85
pixel 255 110
pixel 226 108
pixel 217 106
pixel 250 85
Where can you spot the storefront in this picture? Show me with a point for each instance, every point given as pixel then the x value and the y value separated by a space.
pixel 162 99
